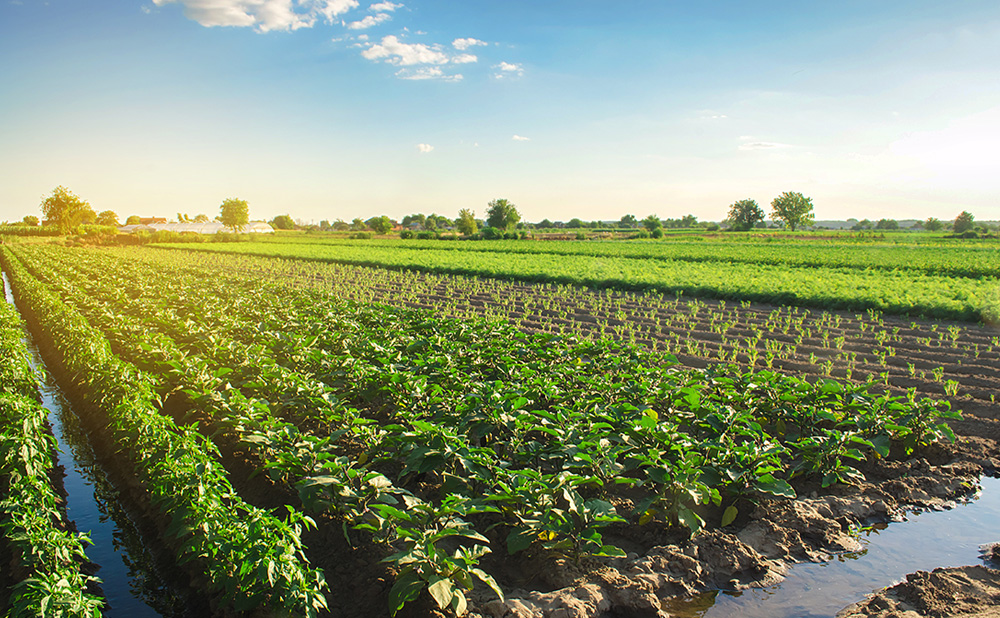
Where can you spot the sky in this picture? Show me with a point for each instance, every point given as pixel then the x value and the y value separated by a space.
pixel 335 109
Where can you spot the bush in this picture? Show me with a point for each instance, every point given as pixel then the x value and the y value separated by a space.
pixel 406 234
pixel 641 234
pixel 427 235
pixel 491 233
pixel 510 235
pixel 657 233
pixel 581 236
pixel 361 235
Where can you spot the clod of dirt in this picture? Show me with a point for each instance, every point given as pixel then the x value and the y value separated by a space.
pixel 778 533
pixel 972 591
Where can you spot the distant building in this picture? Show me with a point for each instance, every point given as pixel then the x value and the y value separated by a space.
pixel 151 220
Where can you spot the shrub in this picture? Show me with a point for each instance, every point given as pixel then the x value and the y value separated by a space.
pixel 406 234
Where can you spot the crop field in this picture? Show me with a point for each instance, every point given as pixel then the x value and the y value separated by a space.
pixel 950 282
pixel 322 439
pixel 957 361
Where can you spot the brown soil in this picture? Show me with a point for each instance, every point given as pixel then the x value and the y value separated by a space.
pixel 969 592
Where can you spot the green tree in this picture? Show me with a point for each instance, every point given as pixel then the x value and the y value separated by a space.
pixel 933 224
pixel 628 221
pixel 963 222
pixel 107 217
pixel 502 214
pixel 544 224
pixel 887 224
pixel 283 222
pixel 745 215
pixel 133 220
pixel 234 213
pixel 381 225
pixel 651 223
pixel 31 220
pixel 65 211
pixel 575 224
pixel 794 209
pixel 357 225
pixel 466 222
pixel 203 218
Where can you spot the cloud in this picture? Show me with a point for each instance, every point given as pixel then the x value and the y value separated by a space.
pixel 263 15
pixel 520 138
pixel 424 148
pixel 506 69
pixel 369 21
pixel 394 51
pixel 464 44
pixel 464 59
pixel 428 73
pixel 382 7
pixel 762 146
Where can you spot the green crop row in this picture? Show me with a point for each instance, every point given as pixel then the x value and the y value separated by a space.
pixel 953 259
pixel 248 556
pixel 45 557
pixel 903 292
pixel 416 425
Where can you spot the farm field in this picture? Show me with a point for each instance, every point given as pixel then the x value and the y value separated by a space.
pixel 941 282
pixel 956 361
pixel 487 444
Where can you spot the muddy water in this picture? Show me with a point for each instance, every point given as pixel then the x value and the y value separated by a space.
pixel 130 573
pixel 923 542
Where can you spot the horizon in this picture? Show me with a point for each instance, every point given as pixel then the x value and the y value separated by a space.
pixel 335 109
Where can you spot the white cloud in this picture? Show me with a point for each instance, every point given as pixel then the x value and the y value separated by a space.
pixel 521 138
pixel 762 146
pixel 464 59
pixel 369 21
pixel 381 7
pixel 506 69
pixel 263 15
pixel 428 73
pixel 464 44
pixel 424 148
pixel 397 52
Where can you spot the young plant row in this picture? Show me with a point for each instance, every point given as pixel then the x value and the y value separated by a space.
pixel 898 291
pixel 869 346
pixel 248 556
pixel 475 417
pixel 957 259
pixel 46 558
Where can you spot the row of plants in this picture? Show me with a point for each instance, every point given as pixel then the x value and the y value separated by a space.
pixel 952 259
pixel 905 292
pixel 247 555
pixel 462 422
pixel 45 556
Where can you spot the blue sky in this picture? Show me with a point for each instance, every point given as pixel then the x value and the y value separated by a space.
pixel 329 109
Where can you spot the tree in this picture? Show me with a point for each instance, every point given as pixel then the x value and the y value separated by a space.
pixel 31 220
pixel 745 215
pixel 466 222
pixel 963 222
pixel 574 224
pixel 628 221
pixel 234 213
pixel 794 209
pixel 502 214
pixel 283 222
pixel 544 224
pixel 133 220
pixel 107 217
pixel 357 225
pixel 381 225
pixel 933 224
pixel 65 210
pixel 651 223
pixel 203 218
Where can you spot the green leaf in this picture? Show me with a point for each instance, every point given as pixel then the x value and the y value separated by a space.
pixel 442 590
pixel 729 515
pixel 519 539
pixel 406 588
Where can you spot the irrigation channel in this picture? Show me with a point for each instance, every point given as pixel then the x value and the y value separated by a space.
pixel 135 579
pixel 132 571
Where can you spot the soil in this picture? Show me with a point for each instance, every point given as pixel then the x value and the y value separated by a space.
pixel 970 591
